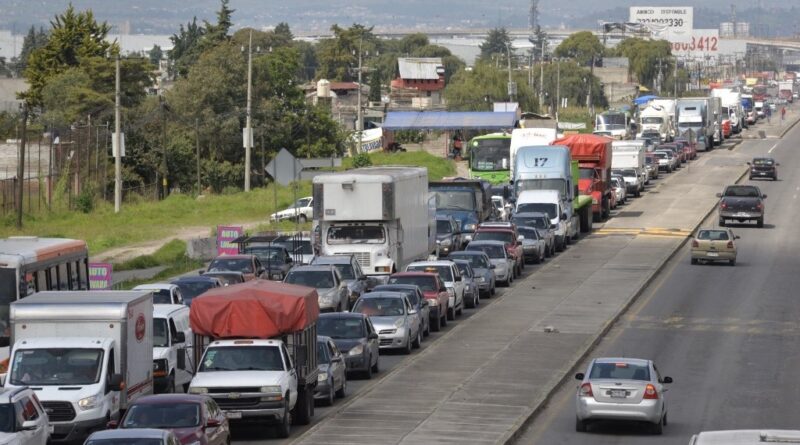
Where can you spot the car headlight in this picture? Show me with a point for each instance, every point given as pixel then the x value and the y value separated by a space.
pixel 470 227
pixel 270 389
pixel 357 350
pixel 446 243
pixel 326 298
pixel 88 402
pixel 399 323
pixel 159 368
pixel 277 276
pixel 198 390
pixel 323 376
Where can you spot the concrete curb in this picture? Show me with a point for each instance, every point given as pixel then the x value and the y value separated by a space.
pixel 580 356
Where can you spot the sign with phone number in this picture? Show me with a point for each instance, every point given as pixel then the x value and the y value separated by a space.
pixel 674 20
pixel 702 42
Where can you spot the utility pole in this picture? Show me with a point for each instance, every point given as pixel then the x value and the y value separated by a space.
pixel 591 81
pixel 558 87
pixel 248 132
pixel 197 150
pixel 541 77
pixel 21 166
pixel 118 140
pixel 512 87
pixel 675 78
pixel 359 115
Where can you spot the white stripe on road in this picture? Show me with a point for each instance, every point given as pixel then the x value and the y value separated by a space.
pixel 773 147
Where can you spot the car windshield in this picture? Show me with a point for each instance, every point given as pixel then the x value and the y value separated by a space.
pixel 300 203
pixel 532 221
pixel 454 199
pixel 494 252
pixel 411 294
pixel 356 235
pixel 320 279
pixel 490 154
pixel 380 307
pixel 742 191
pixel 242 358
pixel 505 237
pixel 244 265
pixel 226 278
pixel 162 296
pixel 465 269
pixel 443 227
pixel 445 273
pixel 528 233
pixel 8 419
pixel 476 261
pixel 322 353
pixel 162 415
pixel 126 441
pixel 620 371
pixel 56 366
pixel 160 333
pixel 425 283
pixel 764 162
pixel 192 289
pixel 341 328
pixel 713 235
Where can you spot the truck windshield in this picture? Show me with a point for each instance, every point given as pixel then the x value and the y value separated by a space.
pixel 162 296
pixel 320 279
pixel 160 333
pixel 356 235
pixel 57 366
pixel 443 227
pixel 490 154
pixel 455 199
pixel 543 184
pixel 652 120
pixel 549 209
pixel 8 294
pixel 242 358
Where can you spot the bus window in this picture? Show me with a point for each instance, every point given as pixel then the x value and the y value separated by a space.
pixel 83 278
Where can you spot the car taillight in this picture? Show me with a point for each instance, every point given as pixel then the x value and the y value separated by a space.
pixel 585 390
pixel 759 206
pixel 695 243
pixel 730 244
pixel 723 205
pixel 650 392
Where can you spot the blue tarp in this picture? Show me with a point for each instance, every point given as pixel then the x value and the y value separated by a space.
pixel 641 100
pixel 444 120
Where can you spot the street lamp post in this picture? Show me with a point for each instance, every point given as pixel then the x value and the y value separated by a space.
pixel 118 140
pixel 248 131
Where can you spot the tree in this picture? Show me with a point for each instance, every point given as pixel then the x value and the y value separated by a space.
pixel 497 42
pixel 410 43
pixel 338 56
pixel 218 32
pixel 476 90
pixel 74 36
pixel 646 58
pixel 185 48
pixel 283 32
pixel 31 42
pixel 375 86
pixel 582 46
pixel 155 55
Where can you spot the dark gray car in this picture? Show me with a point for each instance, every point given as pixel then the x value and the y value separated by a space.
pixel 472 296
pixel 355 337
pixel 741 203
pixel 482 268
pixel 448 235
pixel 332 382
pixel 350 271
pixel 274 257
pixel 541 222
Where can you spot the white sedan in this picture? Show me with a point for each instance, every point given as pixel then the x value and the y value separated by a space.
pixel 302 210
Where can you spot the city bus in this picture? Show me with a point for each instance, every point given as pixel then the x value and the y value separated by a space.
pixel 30 264
pixel 490 157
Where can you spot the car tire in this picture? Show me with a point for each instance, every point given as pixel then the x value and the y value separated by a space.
pixel 750 177
pixel 342 392
pixel 417 343
pixel 407 348
pixel 657 428
pixel 460 310
pixel 760 222
pixel 427 331
pixel 302 219
pixel 285 428
pixel 732 262
pixel 451 313
pixel 580 425
pixel 665 419
pixel 438 325
pixel 443 319
pixel 694 260
pixel 494 290
pixel 368 371
pixel 375 368
pixel 471 303
pixel 722 222
pixel 331 393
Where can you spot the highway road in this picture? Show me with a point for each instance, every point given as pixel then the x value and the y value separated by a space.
pixel 728 336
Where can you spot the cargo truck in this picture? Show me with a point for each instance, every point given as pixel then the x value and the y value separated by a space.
pixel 469 202
pixel 87 355
pixel 731 107
pixel 616 123
pixel 669 105
pixel 655 118
pixel 593 154
pixel 530 137
pixel 696 122
pixel 255 344
pixel 552 168
pixel 630 155
pixel 378 214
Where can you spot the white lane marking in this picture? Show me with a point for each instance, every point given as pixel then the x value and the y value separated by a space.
pixel 773 147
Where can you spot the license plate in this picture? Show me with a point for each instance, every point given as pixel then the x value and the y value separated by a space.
pixel 763 173
pixel 742 214
pixel 50 429
pixel 712 254
pixel 618 393
pixel 233 415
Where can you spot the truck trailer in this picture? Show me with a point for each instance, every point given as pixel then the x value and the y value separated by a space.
pixel 593 154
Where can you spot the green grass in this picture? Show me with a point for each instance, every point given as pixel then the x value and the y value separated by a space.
pixel 178 268
pixel 437 167
pixel 170 253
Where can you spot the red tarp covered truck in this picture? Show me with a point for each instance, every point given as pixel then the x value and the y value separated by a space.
pixel 255 346
pixel 593 154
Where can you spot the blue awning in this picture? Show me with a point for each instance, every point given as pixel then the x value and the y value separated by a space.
pixel 641 100
pixel 444 120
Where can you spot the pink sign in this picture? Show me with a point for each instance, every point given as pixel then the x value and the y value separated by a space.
pixel 225 236
pixel 100 276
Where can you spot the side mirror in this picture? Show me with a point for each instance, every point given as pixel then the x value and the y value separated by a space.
pixel 520 238
pixel 737 237
pixel 424 303
pixel 115 382
pixel 458 278
pixel 201 272
pixel 372 336
pixel 719 195
pixel 667 379
pixel 412 312
pixel 289 260
pixel 29 425
pixel 493 266
pixel 763 196
pixel 564 216
pixel 553 226
pixel 112 425
pixel 362 278
pixel 213 423
pixel 180 337
pixel 579 376
pixel 749 163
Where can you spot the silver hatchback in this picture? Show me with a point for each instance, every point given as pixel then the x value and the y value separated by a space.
pixel 621 389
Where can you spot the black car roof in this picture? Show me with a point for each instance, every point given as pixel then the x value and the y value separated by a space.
pixel 342 315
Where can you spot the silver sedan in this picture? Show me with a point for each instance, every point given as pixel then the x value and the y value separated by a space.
pixel 621 389
pixel 395 319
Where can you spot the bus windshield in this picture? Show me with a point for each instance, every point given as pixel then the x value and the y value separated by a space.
pixel 490 154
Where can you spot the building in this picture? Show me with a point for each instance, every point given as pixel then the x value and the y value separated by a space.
pixel 343 99
pixel 420 84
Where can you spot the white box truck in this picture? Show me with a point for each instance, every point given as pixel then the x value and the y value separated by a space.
pixel 630 155
pixel 87 355
pixel 378 214
pixel 655 118
pixel 529 137
pixel 670 106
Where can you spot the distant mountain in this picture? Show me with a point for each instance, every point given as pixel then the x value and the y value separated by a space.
pixel 164 16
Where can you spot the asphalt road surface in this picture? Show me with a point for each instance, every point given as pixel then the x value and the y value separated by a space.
pixel 728 336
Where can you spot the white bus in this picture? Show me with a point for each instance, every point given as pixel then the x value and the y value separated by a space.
pixel 30 264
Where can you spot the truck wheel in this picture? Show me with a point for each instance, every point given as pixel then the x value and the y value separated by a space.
pixel 285 428
pixel 586 220
pixel 302 409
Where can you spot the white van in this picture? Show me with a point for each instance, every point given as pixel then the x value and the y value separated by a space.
pixel 549 202
pixel 745 437
pixel 172 338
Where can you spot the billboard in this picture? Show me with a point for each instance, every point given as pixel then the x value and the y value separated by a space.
pixel 225 237
pixel 701 43
pixel 673 23
pixel 100 276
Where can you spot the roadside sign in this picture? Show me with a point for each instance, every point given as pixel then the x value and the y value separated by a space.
pixel 673 23
pixel 225 237
pixel 100 276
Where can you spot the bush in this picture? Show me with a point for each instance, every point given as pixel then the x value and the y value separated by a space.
pixel 362 160
pixel 85 201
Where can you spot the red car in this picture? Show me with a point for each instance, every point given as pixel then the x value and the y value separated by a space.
pixel 692 148
pixel 193 418
pixel 433 289
pixel 507 235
